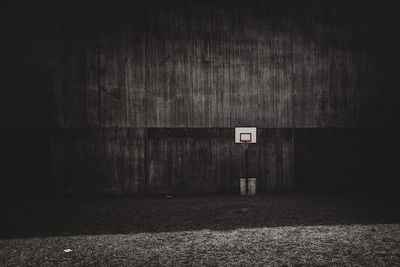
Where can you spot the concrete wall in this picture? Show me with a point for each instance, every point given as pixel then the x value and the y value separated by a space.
pixel 143 96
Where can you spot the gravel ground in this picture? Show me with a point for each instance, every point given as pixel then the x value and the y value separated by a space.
pixel 342 245
pixel 288 229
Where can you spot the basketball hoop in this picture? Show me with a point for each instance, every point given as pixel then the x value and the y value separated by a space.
pixel 246 136
pixel 245 144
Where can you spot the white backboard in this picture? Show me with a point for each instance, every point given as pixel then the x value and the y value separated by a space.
pixel 246 134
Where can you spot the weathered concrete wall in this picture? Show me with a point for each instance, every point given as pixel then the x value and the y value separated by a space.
pixel 100 160
pixel 119 160
pixel 181 160
pixel 200 65
pixel 204 160
pixel 142 97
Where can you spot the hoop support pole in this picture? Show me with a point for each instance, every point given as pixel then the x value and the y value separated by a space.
pixel 247 171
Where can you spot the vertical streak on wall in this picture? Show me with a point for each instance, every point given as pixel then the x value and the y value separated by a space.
pixel 99 96
pixel 147 190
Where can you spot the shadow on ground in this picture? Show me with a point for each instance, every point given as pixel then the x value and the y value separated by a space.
pixel 111 215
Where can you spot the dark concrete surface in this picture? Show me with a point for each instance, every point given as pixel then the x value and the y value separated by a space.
pixel 91 215
pixel 142 96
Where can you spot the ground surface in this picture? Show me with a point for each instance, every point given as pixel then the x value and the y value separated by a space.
pixel 222 230
pixel 355 245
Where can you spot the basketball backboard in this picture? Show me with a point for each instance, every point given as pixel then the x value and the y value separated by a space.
pixel 246 135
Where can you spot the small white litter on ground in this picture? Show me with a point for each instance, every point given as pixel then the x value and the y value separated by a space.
pixel 67 250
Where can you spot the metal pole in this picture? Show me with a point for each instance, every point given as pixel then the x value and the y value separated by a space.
pixel 146 164
pixel 247 173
